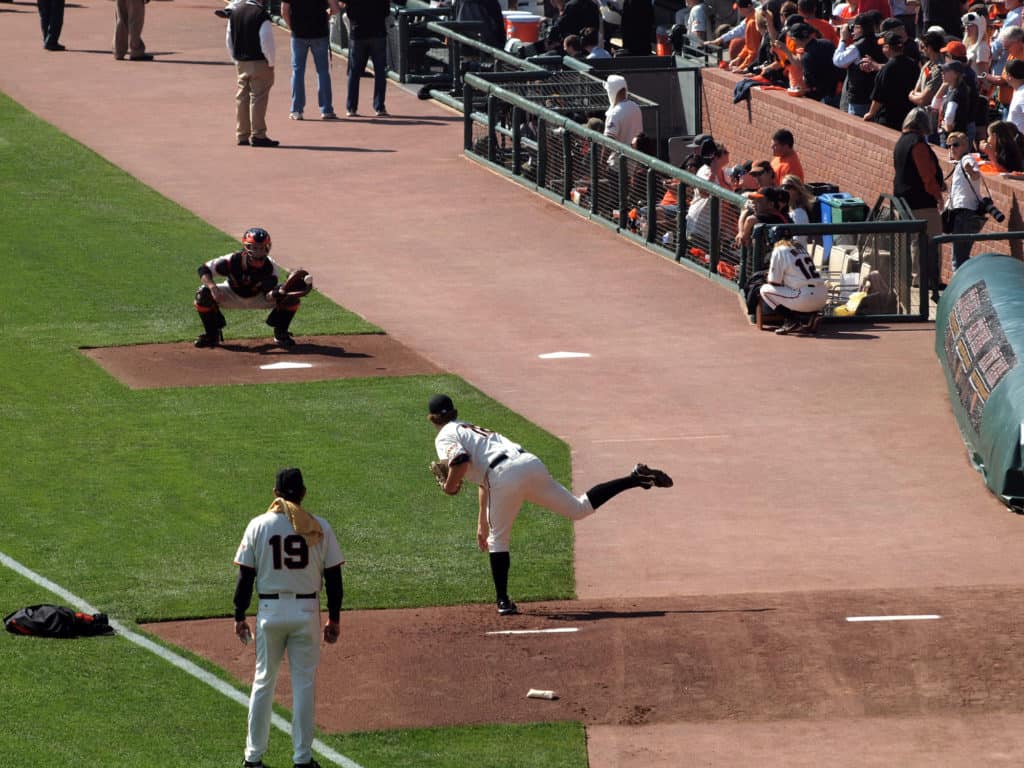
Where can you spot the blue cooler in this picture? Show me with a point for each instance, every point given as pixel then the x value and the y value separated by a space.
pixel 839 208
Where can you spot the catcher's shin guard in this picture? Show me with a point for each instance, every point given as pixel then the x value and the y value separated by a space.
pixel 212 318
pixel 280 318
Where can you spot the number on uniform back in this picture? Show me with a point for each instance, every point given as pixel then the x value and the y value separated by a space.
pixel 291 552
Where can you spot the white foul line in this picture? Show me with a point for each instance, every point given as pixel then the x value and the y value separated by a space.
pixel 661 439
pixel 181 663
pixel 912 617
pixel 532 631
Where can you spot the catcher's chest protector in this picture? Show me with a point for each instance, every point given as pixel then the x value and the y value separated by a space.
pixel 56 621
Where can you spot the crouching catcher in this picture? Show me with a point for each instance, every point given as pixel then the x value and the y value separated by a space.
pixel 252 282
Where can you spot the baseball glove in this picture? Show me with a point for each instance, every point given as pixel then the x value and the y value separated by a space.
pixel 298 284
pixel 440 471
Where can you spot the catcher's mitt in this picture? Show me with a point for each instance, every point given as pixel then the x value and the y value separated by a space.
pixel 298 284
pixel 440 471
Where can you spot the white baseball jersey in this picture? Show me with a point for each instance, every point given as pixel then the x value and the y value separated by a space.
pixel 482 446
pixel 798 285
pixel 284 562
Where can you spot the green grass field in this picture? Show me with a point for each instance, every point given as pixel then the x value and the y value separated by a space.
pixel 135 500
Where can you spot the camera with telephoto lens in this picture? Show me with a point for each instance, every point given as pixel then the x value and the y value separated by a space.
pixel 740 170
pixel 986 206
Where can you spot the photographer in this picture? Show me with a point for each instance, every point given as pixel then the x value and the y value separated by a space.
pixel 859 41
pixel 962 206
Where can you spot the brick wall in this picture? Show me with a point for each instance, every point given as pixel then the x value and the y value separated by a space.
pixel 834 147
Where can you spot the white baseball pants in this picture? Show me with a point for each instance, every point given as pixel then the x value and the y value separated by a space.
pixel 525 478
pixel 294 625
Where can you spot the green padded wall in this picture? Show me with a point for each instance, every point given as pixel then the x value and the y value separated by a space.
pixel 979 339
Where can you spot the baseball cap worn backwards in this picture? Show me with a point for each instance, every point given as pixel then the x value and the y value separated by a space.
pixel 289 482
pixel 440 405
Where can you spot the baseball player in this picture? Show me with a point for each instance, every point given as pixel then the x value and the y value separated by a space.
pixel 508 475
pixel 285 552
pixel 252 282
pixel 794 288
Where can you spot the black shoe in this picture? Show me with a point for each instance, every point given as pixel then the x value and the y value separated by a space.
pixel 141 57
pixel 284 339
pixel 243 142
pixel 206 340
pixel 224 13
pixel 257 764
pixel 507 608
pixel 787 327
pixel 310 764
pixel 55 47
pixel 649 478
pixel 263 141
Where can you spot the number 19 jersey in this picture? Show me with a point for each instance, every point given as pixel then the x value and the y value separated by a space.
pixel 283 560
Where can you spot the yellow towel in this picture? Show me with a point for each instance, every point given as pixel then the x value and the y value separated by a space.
pixel 850 308
pixel 303 522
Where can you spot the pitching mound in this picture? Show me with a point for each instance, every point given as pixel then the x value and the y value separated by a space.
pixel 259 361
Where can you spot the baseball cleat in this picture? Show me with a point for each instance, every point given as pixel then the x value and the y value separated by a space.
pixel 787 328
pixel 248 764
pixel 310 764
pixel 284 340
pixel 507 608
pixel 649 478
pixel 207 340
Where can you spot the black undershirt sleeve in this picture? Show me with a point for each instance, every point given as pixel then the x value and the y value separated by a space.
pixel 243 590
pixel 335 591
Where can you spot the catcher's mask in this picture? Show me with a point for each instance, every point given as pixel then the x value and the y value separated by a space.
pixel 256 243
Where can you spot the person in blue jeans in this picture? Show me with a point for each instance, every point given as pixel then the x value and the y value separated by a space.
pixel 367 42
pixel 308 22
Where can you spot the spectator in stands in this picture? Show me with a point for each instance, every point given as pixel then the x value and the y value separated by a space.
pixel 793 287
pixel 1013 76
pixel 1014 13
pixel 955 100
pixel 1011 43
pixel 575 16
pixel 906 12
pixel 979 52
pixel 1003 147
pixel 821 78
pixel 918 180
pixel 743 39
pixel 697 18
pixel 877 6
pixel 573 47
pixel 590 42
pixel 801 203
pixel 964 197
pixel 637 28
pixel 51 21
pixel 808 9
pixel 488 13
pixel 769 205
pixel 845 12
pixel 308 21
pixel 367 42
pixel 623 121
pixel 858 43
pixel 943 13
pixel 785 160
pixel 890 99
pixel 698 214
pixel 930 77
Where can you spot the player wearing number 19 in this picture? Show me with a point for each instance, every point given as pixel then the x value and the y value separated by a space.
pixel 793 288
pixel 508 475
pixel 285 553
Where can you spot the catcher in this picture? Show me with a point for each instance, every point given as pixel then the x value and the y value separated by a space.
pixel 252 283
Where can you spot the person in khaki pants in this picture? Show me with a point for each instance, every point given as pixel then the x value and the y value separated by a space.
pixel 129 16
pixel 250 42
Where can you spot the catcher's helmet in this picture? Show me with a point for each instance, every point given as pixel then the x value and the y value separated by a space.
pixel 256 241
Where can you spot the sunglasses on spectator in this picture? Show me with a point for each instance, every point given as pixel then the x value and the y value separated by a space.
pixel 953 144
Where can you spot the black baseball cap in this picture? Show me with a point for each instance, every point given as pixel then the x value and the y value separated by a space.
pixel 289 483
pixel 440 405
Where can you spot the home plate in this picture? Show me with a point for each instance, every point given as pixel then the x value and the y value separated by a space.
pixel 284 366
pixel 562 355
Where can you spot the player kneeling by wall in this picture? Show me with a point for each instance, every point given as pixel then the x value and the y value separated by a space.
pixel 793 288
pixel 252 282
